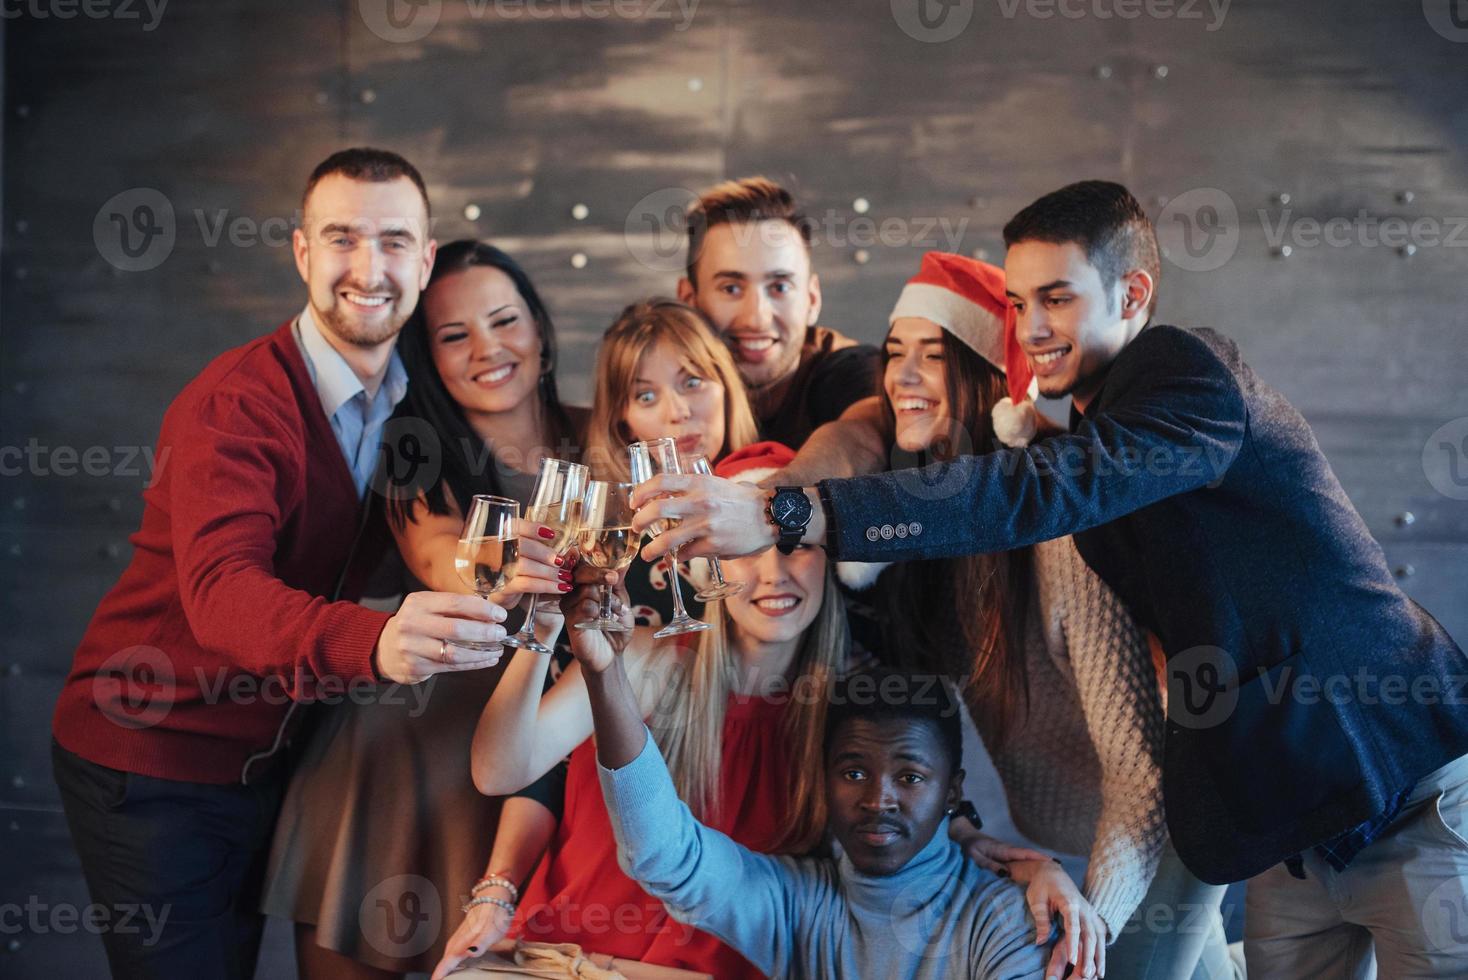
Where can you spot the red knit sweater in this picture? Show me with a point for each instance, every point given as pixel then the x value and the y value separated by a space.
pixel 221 619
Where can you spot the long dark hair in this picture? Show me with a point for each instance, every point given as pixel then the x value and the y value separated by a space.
pixel 987 596
pixel 463 471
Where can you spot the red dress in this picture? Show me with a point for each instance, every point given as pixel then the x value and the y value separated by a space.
pixel 579 895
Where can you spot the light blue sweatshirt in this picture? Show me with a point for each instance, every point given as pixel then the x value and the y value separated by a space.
pixel 941 916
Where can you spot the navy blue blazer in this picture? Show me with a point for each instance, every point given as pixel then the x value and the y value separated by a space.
pixel 1305 690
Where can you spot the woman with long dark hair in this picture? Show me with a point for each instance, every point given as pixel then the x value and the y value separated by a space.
pixel 382 833
pixel 1059 680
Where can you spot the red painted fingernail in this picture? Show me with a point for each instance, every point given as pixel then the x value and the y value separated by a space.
pixel 565 586
pixel 546 533
pixel 560 560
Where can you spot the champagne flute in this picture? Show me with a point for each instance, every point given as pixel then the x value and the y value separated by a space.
pixel 485 558
pixel 607 542
pixel 556 504
pixel 647 460
pixel 720 588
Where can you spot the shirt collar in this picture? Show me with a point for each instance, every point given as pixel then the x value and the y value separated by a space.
pixel 336 382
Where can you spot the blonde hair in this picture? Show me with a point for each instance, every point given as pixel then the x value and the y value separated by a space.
pixel 688 721
pixel 638 329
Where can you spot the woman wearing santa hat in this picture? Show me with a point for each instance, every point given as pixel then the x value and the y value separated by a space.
pixel 1059 680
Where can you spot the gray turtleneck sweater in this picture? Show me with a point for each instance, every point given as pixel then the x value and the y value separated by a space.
pixel 940 916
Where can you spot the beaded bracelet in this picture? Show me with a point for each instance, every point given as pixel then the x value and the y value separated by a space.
pixel 488 900
pixel 490 881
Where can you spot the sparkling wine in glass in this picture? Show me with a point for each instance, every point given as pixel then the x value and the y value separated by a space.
pixel 607 542
pixel 556 504
pixel 485 557
pixel 720 588
pixel 647 460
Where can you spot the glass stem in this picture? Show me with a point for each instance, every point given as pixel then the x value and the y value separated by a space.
pixel 528 629
pixel 718 571
pixel 678 611
pixel 606 602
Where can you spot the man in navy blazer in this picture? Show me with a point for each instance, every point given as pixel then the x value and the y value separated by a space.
pixel 1311 738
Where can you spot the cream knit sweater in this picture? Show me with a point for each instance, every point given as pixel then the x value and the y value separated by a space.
pixel 1083 774
pixel 1083 771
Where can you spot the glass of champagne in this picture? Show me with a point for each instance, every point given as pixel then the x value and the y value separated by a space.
pixel 720 588
pixel 606 542
pixel 556 504
pixel 647 460
pixel 485 558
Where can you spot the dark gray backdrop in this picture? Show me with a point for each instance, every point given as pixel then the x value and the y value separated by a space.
pixel 1305 162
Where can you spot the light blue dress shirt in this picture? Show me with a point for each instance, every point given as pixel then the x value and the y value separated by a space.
pixel 356 419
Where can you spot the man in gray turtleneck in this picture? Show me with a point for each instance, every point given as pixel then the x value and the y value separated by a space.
pixel 902 902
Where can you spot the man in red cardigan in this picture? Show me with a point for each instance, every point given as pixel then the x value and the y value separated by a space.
pixel 236 604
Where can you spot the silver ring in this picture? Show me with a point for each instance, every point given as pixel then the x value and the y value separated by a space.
pixel 443 652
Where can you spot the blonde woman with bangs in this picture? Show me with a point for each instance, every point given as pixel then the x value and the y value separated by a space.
pixel 738 712
pixel 662 372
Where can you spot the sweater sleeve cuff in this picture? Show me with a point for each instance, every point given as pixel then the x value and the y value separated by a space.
pixel 1115 898
pixel 349 646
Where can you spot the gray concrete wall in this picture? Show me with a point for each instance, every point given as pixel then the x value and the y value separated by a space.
pixel 567 132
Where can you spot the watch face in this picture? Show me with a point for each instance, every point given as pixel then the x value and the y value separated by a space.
pixel 790 508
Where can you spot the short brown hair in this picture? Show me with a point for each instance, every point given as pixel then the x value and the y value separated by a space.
pixel 747 199
pixel 369 164
pixel 1101 217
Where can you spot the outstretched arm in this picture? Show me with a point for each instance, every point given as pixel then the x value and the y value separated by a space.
pixel 704 878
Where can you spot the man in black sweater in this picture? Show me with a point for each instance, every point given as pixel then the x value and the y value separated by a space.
pixel 1312 737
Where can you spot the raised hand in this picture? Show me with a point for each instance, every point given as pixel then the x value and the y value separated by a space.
pixel 419 641
pixel 596 650
pixel 716 518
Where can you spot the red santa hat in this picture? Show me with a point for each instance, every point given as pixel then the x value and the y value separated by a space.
pixel 966 297
pixel 755 462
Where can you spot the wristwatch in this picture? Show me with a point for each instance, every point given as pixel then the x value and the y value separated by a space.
pixel 789 510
